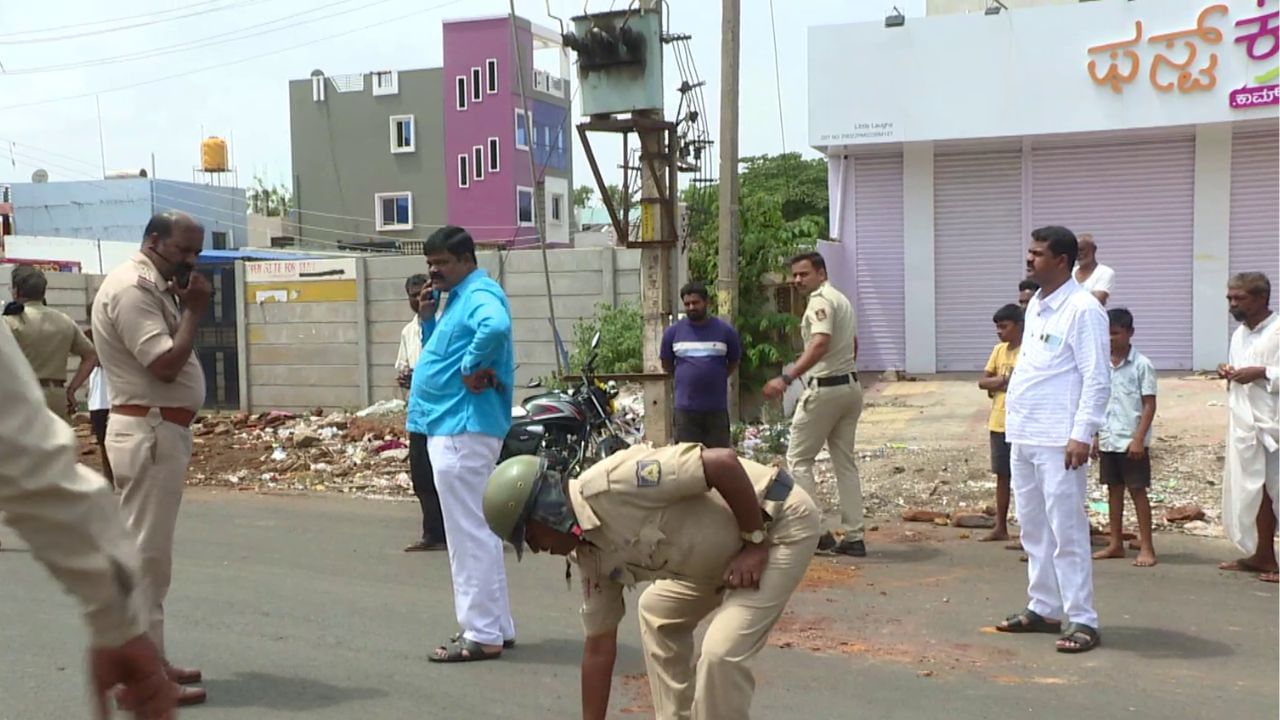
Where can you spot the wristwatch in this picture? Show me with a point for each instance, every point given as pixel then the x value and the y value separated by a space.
pixel 755 537
pixel 787 378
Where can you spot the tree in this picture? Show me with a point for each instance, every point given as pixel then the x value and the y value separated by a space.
pixel 632 196
pixel 269 200
pixel 783 205
pixel 582 196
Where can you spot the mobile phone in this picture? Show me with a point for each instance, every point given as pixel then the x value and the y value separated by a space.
pixel 183 278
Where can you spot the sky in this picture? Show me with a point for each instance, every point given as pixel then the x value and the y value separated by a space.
pixel 88 52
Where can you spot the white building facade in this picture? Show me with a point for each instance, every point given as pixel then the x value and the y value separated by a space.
pixel 1151 125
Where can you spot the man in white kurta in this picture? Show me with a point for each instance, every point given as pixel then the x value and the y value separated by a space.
pixel 1251 486
pixel 1056 401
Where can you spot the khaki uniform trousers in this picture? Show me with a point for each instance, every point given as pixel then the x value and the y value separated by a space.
pixel 722 685
pixel 56 399
pixel 150 457
pixel 829 415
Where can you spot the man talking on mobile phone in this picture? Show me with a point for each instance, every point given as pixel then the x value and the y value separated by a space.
pixel 144 324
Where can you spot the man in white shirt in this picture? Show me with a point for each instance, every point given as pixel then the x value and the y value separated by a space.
pixel 411 335
pixel 1251 486
pixel 1091 274
pixel 420 471
pixel 99 401
pixel 1056 401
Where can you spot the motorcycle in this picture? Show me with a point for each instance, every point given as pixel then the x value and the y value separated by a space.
pixel 570 429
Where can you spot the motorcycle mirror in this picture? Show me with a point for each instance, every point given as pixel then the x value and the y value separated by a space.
pixel 595 340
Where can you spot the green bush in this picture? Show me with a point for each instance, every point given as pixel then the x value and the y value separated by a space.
pixel 621 339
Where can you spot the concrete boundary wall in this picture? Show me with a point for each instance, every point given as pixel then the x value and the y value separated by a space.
pixel 341 353
pixel 330 341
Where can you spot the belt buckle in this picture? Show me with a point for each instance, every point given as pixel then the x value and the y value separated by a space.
pixel 154 417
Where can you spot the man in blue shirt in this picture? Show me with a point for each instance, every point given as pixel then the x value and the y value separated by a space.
pixel 461 400
pixel 702 351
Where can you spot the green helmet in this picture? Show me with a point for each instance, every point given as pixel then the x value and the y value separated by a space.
pixel 509 497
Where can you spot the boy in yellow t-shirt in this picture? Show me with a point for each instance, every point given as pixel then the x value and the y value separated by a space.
pixel 1004 356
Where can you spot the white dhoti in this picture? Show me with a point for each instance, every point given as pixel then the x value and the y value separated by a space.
pixel 1055 533
pixel 462 465
pixel 1252 464
pixel 1253 435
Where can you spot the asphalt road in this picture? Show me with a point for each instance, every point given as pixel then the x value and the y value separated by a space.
pixel 307 606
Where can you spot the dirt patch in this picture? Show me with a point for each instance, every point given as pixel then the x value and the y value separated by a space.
pixel 636 695
pixel 824 574
pixel 823 636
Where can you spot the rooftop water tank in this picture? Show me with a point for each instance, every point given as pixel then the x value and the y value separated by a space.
pixel 213 155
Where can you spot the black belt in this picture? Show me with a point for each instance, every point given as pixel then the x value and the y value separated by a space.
pixel 780 488
pixel 835 380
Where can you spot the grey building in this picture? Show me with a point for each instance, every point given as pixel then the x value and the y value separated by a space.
pixel 361 143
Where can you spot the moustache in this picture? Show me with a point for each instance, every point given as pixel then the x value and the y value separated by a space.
pixel 1239 314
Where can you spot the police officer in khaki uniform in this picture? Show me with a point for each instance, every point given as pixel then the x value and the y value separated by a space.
pixel 67 515
pixel 144 322
pixel 645 515
pixel 47 337
pixel 828 411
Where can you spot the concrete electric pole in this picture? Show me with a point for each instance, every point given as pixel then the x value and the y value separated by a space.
pixel 727 257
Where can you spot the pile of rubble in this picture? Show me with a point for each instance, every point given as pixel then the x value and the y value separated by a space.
pixel 364 453
pixel 1186 487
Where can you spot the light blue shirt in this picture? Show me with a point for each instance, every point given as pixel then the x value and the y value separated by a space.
pixel 1131 380
pixel 472 333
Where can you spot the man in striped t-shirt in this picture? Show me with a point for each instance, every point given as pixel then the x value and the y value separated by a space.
pixel 701 351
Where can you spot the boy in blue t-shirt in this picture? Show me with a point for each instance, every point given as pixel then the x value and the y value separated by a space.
pixel 1121 445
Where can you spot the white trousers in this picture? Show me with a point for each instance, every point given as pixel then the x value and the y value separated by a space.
pixel 1055 533
pixel 462 465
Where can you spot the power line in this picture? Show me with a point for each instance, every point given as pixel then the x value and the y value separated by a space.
pixel 111 20
pixel 503 238
pixel 380 23
pixel 157 21
pixel 203 43
pixel 37 156
pixel 777 76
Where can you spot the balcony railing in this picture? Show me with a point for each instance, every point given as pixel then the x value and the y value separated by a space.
pixel 551 84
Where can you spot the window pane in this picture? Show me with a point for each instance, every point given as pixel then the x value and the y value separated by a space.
pixel 492 67
pixel 388 211
pixel 462 93
pixel 526 206
pixel 402 210
pixel 407 130
pixel 493 155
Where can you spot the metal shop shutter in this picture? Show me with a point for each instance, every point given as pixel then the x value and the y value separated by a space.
pixel 979 252
pixel 881 308
pixel 1255 190
pixel 1135 196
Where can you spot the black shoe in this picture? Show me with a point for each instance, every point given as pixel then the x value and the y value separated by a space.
pixel 826 542
pixel 855 548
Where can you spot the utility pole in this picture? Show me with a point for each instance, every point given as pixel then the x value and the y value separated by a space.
pixel 620 73
pixel 727 257
pixel 655 272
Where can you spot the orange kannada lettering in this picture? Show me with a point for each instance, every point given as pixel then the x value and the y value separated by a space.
pixel 1188 81
pixel 1114 76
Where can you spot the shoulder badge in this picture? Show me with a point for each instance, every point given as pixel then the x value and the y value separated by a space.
pixel 648 473
pixel 146 278
pixel 820 314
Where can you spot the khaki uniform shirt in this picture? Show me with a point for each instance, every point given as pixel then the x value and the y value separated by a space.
pixel 134 320
pixel 829 312
pixel 64 511
pixel 647 514
pixel 47 337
